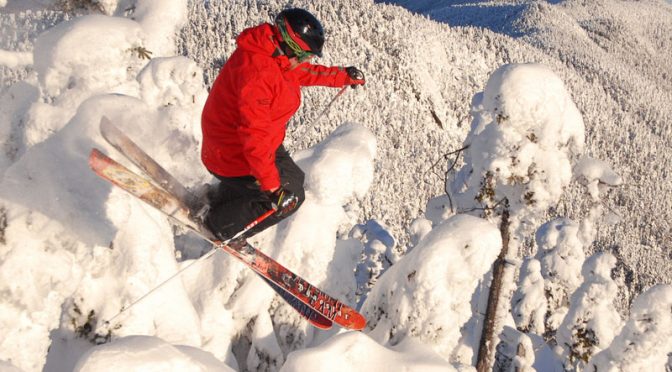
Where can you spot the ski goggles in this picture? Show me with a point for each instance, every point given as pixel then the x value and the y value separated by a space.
pixel 300 53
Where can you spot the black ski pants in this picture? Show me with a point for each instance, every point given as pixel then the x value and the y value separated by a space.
pixel 237 201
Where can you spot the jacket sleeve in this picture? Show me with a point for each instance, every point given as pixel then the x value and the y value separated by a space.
pixel 309 75
pixel 255 129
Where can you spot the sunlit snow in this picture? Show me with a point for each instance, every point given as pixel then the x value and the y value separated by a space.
pixel 387 226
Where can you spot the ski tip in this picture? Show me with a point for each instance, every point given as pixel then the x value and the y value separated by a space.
pixel 94 157
pixel 354 321
pixel 360 325
pixel 100 164
pixel 98 160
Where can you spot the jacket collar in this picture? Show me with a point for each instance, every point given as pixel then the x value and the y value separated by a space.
pixel 262 40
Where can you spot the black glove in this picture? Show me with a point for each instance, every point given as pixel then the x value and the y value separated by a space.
pixel 283 201
pixel 355 76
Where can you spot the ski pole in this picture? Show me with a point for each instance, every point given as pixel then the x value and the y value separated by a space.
pixel 324 111
pixel 202 258
pixel 252 224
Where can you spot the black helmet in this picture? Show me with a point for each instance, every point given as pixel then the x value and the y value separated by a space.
pixel 301 32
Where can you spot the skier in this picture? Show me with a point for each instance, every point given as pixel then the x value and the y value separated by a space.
pixel 245 116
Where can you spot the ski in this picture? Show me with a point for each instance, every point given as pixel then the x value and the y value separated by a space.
pixel 120 141
pixel 295 286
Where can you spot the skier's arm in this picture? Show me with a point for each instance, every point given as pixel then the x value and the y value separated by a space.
pixel 255 129
pixel 309 75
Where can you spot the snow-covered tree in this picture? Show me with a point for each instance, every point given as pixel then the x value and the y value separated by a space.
pixel 524 136
pixel 596 175
pixel 645 342
pixel 427 295
pixel 592 319
pixel 90 250
pixel 561 255
pixel 529 304
pixel 378 255
pixel 515 352
pixel 525 133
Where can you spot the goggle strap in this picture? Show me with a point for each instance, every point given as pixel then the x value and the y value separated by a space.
pixel 300 53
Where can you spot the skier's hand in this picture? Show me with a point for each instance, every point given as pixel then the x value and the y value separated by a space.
pixel 283 201
pixel 355 77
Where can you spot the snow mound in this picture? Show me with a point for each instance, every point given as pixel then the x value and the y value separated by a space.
pixel 144 353
pixel 427 294
pixel 347 154
pixel 88 53
pixel 337 170
pixel 160 20
pixel 355 351
pixel 171 81
pixel 6 366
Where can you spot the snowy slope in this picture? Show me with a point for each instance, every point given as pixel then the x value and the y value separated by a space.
pixel 615 56
pixel 73 250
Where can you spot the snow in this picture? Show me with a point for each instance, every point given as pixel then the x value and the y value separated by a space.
pixel 384 227
pixel 645 339
pixel 353 351
pixel 520 349
pixel 69 57
pixel 171 81
pixel 529 302
pixel 593 172
pixel 160 21
pixel 592 321
pixel 525 131
pixel 14 59
pixel 427 295
pixel 144 353
pixel 561 253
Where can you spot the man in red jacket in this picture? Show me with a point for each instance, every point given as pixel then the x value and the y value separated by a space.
pixel 245 117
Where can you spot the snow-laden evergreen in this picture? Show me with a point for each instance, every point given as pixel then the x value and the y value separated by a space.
pixel 529 302
pixel 646 338
pixel 378 225
pixel 560 252
pixel 516 352
pixel 524 136
pixel 591 321
pixel 428 295
pixel 613 56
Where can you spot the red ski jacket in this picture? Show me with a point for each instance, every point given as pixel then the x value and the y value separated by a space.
pixel 255 94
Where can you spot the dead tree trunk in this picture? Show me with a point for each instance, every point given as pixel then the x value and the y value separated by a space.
pixel 487 344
